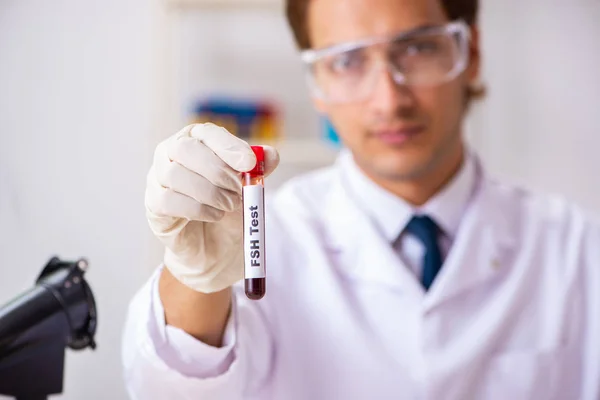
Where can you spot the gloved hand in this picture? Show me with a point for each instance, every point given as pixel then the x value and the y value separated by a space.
pixel 193 204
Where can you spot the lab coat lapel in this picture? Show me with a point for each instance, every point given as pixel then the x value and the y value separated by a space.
pixel 358 249
pixel 483 245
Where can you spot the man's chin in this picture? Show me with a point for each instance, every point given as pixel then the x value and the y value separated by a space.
pixel 400 168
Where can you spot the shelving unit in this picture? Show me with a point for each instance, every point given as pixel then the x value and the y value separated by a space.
pixel 304 152
pixel 301 148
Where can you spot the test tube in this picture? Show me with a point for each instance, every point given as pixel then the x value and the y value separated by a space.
pixel 253 204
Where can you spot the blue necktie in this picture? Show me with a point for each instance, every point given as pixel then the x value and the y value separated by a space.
pixel 427 231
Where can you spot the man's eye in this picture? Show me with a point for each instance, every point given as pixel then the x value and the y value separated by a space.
pixel 346 62
pixel 423 47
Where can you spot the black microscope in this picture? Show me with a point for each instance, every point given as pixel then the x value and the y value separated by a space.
pixel 37 326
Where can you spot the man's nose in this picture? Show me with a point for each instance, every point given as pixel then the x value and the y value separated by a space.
pixel 389 95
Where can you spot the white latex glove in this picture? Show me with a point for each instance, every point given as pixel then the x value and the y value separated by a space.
pixel 193 204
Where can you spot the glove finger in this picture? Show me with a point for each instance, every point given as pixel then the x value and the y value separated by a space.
pixel 271 159
pixel 181 180
pixel 232 150
pixel 198 158
pixel 165 202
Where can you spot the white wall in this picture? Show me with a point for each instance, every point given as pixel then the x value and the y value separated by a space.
pixel 77 88
pixel 84 97
pixel 540 124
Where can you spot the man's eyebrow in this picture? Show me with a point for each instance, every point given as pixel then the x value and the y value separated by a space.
pixel 420 29
pixel 407 33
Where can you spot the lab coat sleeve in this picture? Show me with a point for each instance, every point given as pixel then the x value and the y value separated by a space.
pixel 163 362
pixel 591 278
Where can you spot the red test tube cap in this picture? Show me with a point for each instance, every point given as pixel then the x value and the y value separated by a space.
pixel 259 169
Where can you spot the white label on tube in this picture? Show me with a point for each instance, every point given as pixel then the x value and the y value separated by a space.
pixel 254 232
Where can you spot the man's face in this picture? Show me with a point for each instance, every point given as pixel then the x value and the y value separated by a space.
pixel 399 132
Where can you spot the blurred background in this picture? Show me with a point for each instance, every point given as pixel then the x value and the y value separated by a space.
pixel 88 88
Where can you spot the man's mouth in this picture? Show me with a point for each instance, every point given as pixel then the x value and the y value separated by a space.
pixel 398 135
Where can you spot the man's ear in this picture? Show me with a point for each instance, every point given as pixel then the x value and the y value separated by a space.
pixel 474 67
pixel 320 105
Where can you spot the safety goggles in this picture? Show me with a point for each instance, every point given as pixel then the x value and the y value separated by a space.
pixel 349 72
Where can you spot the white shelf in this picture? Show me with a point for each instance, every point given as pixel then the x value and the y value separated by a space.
pixel 299 156
pixel 227 4
pixel 305 152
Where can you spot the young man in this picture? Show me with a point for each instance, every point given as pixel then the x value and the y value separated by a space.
pixel 402 272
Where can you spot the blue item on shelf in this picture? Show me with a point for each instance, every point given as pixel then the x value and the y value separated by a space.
pixel 329 133
pixel 248 119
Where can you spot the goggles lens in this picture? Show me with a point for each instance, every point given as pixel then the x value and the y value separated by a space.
pixel 349 72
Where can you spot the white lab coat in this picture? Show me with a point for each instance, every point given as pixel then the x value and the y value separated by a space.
pixel 513 314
